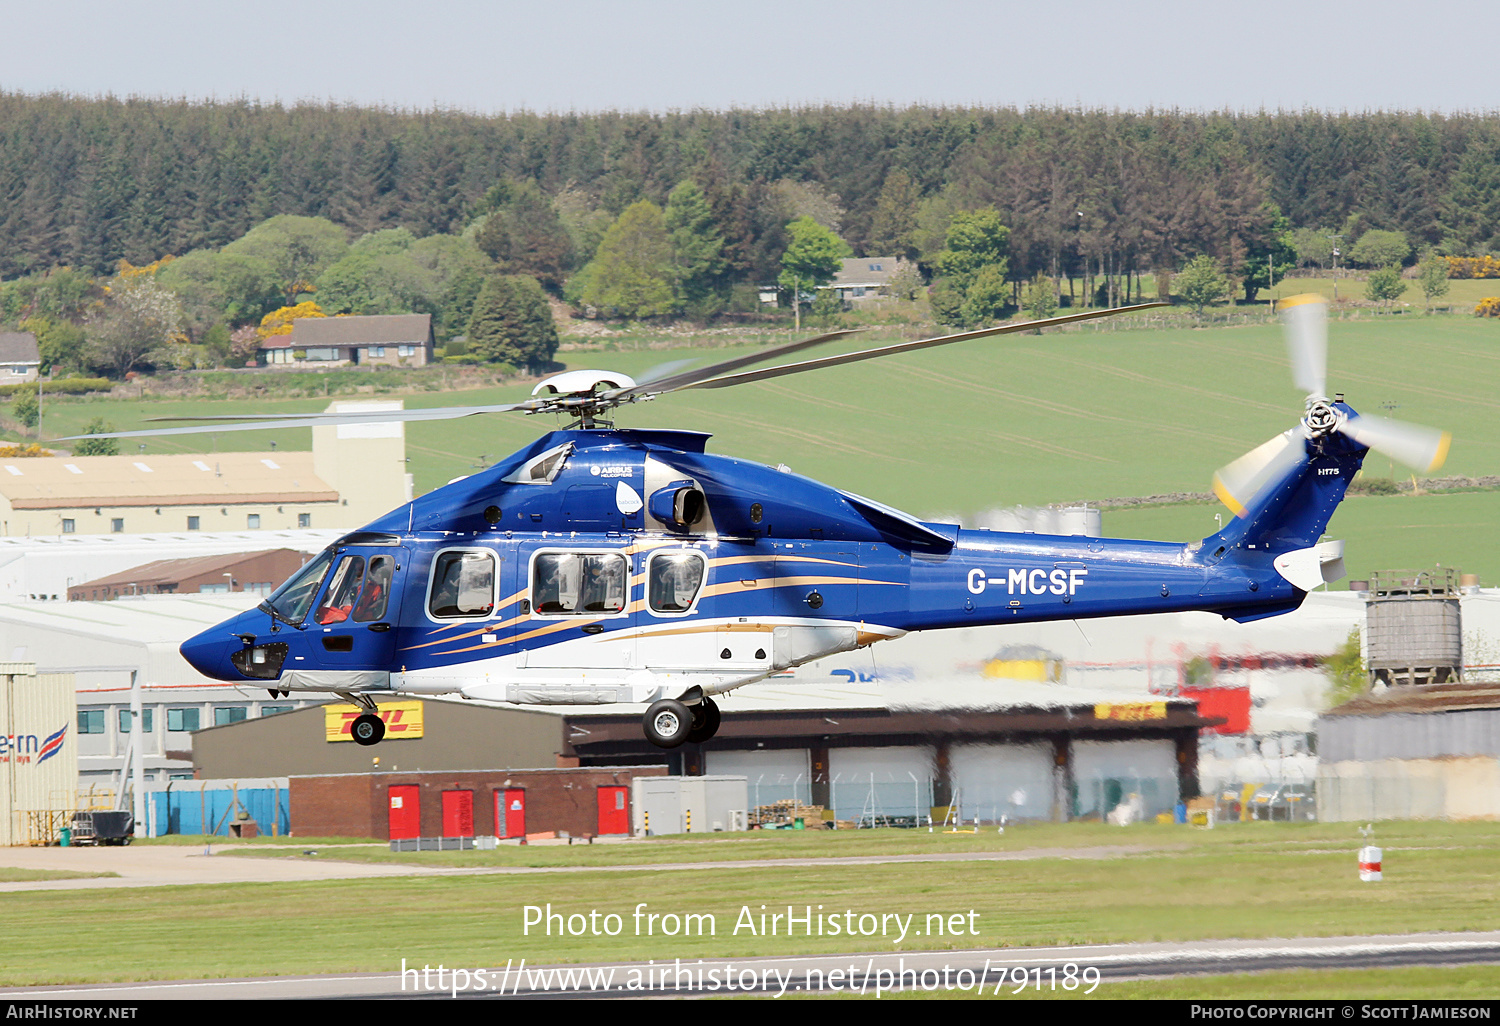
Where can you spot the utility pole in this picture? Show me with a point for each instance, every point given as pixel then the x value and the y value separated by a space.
pixel 1335 240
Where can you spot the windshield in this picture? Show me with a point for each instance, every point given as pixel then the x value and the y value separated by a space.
pixel 292 600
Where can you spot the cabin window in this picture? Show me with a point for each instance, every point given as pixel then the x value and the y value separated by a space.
pixel 579 583
pixel 377 591
pixel 463 584
pixel 674 579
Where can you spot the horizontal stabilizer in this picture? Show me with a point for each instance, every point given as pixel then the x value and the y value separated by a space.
pixel 1308 568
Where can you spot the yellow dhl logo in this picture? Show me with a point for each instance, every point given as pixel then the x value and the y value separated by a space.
pixel 402 720
pixel 1131 711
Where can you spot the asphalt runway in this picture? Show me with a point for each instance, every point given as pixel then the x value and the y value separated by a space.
pixel 1001 972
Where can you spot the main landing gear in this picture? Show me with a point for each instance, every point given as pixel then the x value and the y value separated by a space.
pixel 368 728
pixel 668 723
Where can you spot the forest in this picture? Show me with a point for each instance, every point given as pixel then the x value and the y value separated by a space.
pixel 365 210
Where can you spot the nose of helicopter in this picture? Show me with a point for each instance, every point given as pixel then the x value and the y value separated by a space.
pixel 208 653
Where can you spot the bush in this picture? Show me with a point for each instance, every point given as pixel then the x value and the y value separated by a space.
pixel 62 386
pixel 1473 267
pixel 1363 485
pixel 1489 306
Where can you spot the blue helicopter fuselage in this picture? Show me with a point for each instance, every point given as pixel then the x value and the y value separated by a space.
pixel 630 565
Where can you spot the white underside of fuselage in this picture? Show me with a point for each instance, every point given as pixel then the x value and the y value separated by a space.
pixel 634 665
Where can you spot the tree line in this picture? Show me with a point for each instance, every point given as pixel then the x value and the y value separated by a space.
pixel 690 213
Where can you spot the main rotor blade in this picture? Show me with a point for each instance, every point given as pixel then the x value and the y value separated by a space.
pixel 1241 482
pixel 1423 448
pixel 688 378
pixel 907 347
pixel 234 422
pixel 1304 320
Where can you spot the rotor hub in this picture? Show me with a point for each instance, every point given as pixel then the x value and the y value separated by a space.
pixel 1321 418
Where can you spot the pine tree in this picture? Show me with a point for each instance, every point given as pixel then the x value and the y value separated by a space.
pixel 697 246
pixel 512 323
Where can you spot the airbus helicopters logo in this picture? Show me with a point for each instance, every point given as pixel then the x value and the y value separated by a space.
pixel 1030 582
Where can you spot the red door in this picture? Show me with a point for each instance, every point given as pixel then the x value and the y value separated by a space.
pixel 458 813
pixel 405 815
pixel 510 813
pixel 614 811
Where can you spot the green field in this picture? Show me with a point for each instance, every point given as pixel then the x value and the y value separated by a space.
pixel 1083 414
pixel 1387 532
pixel 1142 883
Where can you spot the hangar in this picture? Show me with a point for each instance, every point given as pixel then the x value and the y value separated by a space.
pixel 1039 752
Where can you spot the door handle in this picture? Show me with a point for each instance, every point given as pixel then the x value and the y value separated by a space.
pixel 380 627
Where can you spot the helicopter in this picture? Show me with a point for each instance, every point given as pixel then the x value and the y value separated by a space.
pixel 604 565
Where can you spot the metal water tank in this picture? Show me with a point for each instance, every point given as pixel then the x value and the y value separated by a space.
pixel 1414 627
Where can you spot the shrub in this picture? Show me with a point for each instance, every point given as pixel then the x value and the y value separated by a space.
pixel 1489 306
pixel 1473 267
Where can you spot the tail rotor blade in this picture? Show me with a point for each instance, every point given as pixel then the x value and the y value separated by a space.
pixel 1304 319
pixel 1240 483
pixel 1422 448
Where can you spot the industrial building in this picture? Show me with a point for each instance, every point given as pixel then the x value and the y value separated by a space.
pixel 503 803
pixel 355 473
pixel 107 647
pixel 38 757
pixel 257 573
pixel 1424 741
pixel 1021 751
pixel 46 569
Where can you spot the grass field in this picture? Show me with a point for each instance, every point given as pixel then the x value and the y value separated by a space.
pixel 1082 414
pixel 10 874
pixel 1172 883
pixel 1385 532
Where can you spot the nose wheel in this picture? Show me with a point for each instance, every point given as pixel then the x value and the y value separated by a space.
pixel 669 723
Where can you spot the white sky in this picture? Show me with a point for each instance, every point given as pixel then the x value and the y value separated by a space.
pixel 559 55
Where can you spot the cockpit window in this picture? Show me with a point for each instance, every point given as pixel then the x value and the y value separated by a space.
pixel 292 600
pixel 673 580
pixel 344 589
pixel 463 584
pixel 543 469
pixel 579 583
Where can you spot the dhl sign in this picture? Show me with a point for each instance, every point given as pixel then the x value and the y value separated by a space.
pixel 402 720
pixel 1131 711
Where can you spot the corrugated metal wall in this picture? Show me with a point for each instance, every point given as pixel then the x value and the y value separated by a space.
pixel 187 808
pixel 877 784
pixel 1014 781
pixel 1409 735
pixel 38 753
pixel 1447 788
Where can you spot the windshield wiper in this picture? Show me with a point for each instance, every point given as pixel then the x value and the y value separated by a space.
pixel 267 607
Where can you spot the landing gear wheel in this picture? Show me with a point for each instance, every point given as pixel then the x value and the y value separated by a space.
pixel 705 721
pixel 367 729
pixel 667 723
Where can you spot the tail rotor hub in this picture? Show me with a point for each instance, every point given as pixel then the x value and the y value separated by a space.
pixel 1321 418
